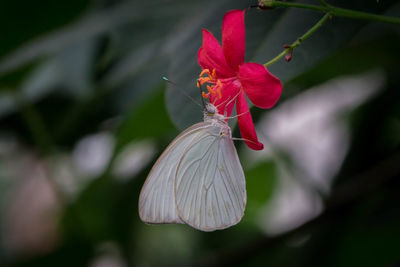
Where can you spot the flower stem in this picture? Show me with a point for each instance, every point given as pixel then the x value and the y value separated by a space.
pixel 323 3
pixel 335 11
pixel 36 125
pixel 296 43
pixel 330 11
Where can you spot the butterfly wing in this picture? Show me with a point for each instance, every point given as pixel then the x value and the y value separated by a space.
pixel 210 187
pixel 157 197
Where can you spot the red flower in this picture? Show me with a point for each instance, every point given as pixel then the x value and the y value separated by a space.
pixel 228 77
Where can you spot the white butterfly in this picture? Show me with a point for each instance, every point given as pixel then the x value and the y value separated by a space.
pixel 198 179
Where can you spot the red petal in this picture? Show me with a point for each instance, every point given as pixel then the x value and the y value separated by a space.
pixel 233 38
pixel 230 91
pixel 246 125
pixel 211 56
pixel 263 88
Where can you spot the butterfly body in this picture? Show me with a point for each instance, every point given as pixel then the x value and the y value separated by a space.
pixel 198 180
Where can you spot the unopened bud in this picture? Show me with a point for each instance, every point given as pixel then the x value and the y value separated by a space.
pixel 265 4
pixel 289 56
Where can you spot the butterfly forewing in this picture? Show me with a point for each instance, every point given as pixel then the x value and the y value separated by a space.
pixel 210 190
pixel 157 197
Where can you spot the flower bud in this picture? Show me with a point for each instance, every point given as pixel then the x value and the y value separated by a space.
pixel 265 4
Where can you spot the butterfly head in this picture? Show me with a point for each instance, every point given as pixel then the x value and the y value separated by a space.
pixel 211 112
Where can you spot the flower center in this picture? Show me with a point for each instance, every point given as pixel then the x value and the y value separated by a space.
pixel 213 85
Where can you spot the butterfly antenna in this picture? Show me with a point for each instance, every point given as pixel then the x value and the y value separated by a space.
pixel 188 96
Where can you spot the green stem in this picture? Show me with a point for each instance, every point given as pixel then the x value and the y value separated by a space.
pixel 36 125
pixel 323 3
pixel 335 11
pixel 298 41
pixel 42 138
pixel 330 11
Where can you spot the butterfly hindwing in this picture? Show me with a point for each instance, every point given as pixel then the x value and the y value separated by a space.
pixel 210 186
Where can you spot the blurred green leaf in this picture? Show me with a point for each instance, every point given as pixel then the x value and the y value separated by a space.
pixel 12 80
pixel 20 22
pixel 369 235
pixel 260 183
pixel 71 254
pixel 90 217
pixel 150 119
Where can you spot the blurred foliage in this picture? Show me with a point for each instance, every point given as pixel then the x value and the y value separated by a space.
pixel 69 70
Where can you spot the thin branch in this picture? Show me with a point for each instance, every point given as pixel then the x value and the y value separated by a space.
pixel 335 11
pixel 296 43
pixel 35 123
pixel 323 3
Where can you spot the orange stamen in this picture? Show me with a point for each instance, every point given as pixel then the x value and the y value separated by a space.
pixel 204 80
pixel 213 73
pixel 219 92
pixel 210 77
pixel 205 95
pixel 218 88
pixel 219 83
pixel 210 89
pixel 205 71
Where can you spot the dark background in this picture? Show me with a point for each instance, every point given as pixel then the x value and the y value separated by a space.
pixel 84 113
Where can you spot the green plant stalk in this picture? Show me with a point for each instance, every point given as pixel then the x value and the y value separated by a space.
pixel 335 11
pixel 36 125
pixel 323 3
pixel 299 40
pixel 42 138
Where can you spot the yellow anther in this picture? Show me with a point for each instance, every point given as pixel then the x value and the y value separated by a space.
pixel 204 72
pixel 203 80
pixel 210 89
pixel 219 92
pixel 210 77
pixel 218 88
pixel 205 95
